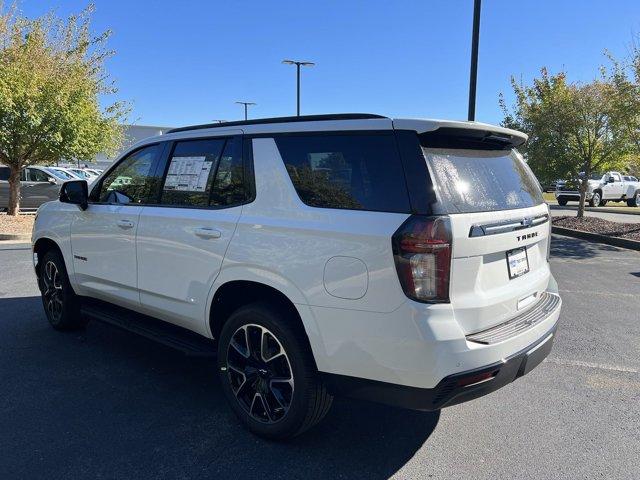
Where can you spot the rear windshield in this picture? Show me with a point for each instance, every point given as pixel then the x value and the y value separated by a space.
pixel 346 171
pixel 468 181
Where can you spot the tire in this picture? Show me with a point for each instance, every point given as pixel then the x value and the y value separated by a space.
pixel 635 200
pixel 562 201
pixel 280 409
pixel 603 203
pixel 595 199
pixel 61 304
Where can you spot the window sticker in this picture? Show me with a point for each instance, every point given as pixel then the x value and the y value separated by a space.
pixel 188 174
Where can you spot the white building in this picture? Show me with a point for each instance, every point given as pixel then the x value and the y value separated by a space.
pixel 132 134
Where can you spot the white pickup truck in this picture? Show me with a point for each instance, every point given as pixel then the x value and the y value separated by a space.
pixel 611 187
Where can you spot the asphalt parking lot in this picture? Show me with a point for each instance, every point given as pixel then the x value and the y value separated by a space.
pixel 107 404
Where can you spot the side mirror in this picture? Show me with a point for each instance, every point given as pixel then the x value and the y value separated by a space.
pixel 610 180
pixel 51 180
pixel 76 192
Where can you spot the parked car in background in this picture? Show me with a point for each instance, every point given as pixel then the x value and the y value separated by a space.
pixel 395 260
pixel 84 173
pixel 551 186
pixel 64 173
pixel 38 185
pixel 609 187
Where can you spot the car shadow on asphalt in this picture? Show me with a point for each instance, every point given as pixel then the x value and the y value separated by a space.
pixel 107 403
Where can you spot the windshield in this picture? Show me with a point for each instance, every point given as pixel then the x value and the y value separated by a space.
pixel 469 181
pixel 59 174
pixel 81 173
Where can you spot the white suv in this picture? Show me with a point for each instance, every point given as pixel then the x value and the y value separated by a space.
pixel 399 261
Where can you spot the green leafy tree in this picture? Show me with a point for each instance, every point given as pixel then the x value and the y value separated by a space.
pixel 52 79
pixel 573 128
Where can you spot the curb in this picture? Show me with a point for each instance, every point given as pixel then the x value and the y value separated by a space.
pixel 596 237
pixel 611 210
pixel 594 209
pixel 16 237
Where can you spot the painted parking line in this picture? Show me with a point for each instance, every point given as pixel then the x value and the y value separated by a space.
pixel 598 366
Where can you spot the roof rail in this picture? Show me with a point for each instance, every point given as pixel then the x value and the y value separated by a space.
pixel 262 121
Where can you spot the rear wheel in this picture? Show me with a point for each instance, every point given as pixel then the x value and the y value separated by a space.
pixel 268 375
pixel 595 199
pixel 562 201
pixel 60 302
pixel 635 200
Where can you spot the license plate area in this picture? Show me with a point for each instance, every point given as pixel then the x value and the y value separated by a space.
pixel 517 262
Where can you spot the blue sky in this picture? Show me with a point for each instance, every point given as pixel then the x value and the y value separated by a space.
pixel 184 62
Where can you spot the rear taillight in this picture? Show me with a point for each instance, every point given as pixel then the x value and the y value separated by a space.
pixel 422 252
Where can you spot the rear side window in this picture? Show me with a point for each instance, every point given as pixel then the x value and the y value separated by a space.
pixel 204 173
pixel 469 181
pixel 355 171
pixel 192 166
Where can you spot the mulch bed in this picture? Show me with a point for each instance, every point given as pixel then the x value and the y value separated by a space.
pixel 598 225
pixel 16 225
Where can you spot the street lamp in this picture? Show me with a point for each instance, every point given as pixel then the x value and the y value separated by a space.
pixel 473 74
pixel 298 64
pixel 246 104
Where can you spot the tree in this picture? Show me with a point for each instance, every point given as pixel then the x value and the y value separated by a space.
pixel 52 79
pixel 574 129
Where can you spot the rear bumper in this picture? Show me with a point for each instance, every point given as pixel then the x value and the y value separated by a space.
pixel 451 390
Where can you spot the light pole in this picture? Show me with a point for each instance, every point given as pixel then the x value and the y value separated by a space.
pixel 298 64
pixel 246 104
pixel 473 74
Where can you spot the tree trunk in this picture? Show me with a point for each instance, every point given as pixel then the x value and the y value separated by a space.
pixel 14 191
pixel 584 183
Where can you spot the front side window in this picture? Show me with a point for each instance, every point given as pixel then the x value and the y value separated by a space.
pixel 468 181
pixel 132 180
pixel 355 171
pixel 4 173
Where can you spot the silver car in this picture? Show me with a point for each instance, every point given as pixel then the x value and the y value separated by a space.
pixel 38 185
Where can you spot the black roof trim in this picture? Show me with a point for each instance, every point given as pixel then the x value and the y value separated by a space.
pixel 262 121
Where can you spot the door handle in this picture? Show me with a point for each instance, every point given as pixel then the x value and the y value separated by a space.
pixel 125 224
pixel 206 232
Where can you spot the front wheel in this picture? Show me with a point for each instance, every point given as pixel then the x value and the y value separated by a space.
pixel 268 374
pixel 60 302
pixel 562 201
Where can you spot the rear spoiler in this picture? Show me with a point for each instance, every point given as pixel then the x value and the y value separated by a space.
pixel 455 134
pixel 447 137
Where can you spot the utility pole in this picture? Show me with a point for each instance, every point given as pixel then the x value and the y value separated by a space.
pixel 473 76
pixel 246 104
pixel 298 64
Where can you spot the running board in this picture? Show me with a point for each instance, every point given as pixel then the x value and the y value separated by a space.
pixel 178 338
